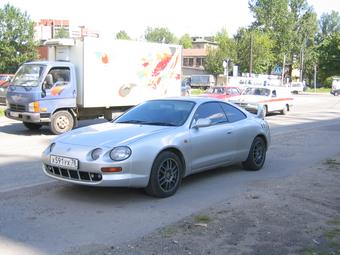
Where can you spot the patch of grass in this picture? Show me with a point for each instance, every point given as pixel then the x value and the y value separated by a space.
pixel 2 112
pixel 332 162
pixel 168 231
pixel 202 219
pixel 331 244
pixel 332 234
pixel 196 92
pixel 319 90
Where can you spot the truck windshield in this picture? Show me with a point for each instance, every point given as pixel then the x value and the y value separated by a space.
pixel 28 75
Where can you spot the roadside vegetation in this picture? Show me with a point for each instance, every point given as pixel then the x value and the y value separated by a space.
pixel 2 112
pixel 318 90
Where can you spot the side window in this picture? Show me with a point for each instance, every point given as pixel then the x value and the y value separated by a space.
pixel 212 111
pixel 233 114
pixel 58 76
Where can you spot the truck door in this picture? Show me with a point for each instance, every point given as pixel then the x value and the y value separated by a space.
pixel 58 89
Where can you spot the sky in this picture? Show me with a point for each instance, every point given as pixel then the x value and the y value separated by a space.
pixel 195 17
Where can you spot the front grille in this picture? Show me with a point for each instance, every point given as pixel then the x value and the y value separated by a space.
pixel 73 174
pixel 17 107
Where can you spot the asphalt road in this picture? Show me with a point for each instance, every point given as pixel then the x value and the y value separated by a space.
pixel 42 216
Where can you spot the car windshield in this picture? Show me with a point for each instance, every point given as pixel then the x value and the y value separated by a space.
pixel 158 112
pixel 257 91
pixel 216 91
pixel 29 75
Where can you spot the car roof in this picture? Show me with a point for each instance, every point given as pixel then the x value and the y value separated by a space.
pixel 196 99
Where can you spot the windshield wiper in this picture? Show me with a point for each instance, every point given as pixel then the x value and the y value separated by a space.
pixel 158 123
pixel 133 121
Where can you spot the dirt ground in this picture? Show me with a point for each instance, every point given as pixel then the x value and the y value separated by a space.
pixel 299 214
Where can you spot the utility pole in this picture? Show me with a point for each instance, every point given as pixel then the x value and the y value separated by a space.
pixel 251 55
pixel 283 69
pixel 315 78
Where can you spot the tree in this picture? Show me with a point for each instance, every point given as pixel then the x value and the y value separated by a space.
pixel 329 56
pixel 17 43
pixel 291 24
pixel 186 41
pixel 160 35
pixel 62 33
pixel 226 50
pixel 256 47
pixel 329 24
pixel 122 35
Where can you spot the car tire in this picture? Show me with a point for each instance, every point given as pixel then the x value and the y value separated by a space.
pixel 61 122
pixel 256 156
pixel 336 93
pixel 166 175
pixel 32 126
pixel 284 110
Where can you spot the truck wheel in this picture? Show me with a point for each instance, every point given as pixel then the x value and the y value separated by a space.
pixel 61 122
pixel 165 176
pixel 32 126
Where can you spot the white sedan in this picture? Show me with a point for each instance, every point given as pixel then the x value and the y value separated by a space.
pixel 157 143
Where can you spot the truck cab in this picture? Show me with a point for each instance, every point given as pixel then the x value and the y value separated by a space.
pixel 41 89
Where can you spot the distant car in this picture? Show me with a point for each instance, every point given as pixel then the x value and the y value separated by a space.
pixel 4 83
pixel 222 92
pixel 335 86
pixel 297 87
pixel 185 88
pixel 270 98
pixel 157 143
pixel 4 78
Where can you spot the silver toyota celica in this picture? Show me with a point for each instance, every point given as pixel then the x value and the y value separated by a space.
pixel 157 143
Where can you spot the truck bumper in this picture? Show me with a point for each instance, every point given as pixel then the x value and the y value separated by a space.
pixel 32 117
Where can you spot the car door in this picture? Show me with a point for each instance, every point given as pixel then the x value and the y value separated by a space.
pixel 212 145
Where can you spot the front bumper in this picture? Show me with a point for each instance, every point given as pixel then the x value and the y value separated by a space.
pixel 33 117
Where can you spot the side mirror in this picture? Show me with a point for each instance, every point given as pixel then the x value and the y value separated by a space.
pixel 260 111
pixel 202 123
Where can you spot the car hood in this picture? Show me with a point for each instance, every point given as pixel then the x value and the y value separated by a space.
pixel 110 134
pixel 248 99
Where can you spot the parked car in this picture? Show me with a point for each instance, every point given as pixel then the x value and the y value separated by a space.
pixel 270 98
pixel 297 87
pixel 335 86
pixel 185 88
pixel 4 83
pixel 157 143
pixel 222 92
pixel 4 78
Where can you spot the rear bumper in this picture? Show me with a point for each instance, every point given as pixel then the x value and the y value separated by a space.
pixel 32 117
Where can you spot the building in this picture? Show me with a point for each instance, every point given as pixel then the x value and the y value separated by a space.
pixel 194 58
pixel 46 29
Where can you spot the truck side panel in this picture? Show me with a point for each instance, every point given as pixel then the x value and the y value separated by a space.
pixel 125 73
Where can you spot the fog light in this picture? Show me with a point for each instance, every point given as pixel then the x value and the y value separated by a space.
pixel 95 154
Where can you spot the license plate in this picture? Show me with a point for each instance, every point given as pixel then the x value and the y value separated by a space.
pixel 14 114
pixel 70 163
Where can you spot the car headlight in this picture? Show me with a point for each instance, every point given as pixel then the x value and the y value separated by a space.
pixel 95 154
pixel 120 153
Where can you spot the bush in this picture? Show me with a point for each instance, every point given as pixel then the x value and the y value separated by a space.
pixel 328 82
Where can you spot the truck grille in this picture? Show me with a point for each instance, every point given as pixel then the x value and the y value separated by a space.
pixel 73 174
pixel 17 107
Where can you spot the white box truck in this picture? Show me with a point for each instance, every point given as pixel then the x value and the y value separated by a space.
pixel 89 78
